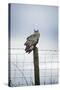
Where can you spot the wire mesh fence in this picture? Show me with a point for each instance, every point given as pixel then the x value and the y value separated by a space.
pixel 22 67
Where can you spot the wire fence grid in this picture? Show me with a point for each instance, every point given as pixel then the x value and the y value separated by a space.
pixel 22 67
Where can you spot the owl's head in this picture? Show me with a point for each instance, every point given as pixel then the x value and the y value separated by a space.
pixel 36 31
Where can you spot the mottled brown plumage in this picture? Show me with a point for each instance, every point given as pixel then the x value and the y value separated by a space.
pixel 31 42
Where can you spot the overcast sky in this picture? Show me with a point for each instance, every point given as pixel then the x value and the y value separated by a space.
pixel 26 18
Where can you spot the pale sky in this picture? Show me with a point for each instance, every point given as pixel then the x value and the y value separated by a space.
pixel 26 18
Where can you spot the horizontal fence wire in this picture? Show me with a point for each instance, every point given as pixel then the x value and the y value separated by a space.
pixel 22 67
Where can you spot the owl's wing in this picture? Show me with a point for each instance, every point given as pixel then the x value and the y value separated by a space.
pixel 30 42
pixel 31 37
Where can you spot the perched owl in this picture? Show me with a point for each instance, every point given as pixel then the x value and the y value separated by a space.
pixel 32 40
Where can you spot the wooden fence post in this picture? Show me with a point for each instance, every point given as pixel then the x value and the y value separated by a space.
pixel 36 66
